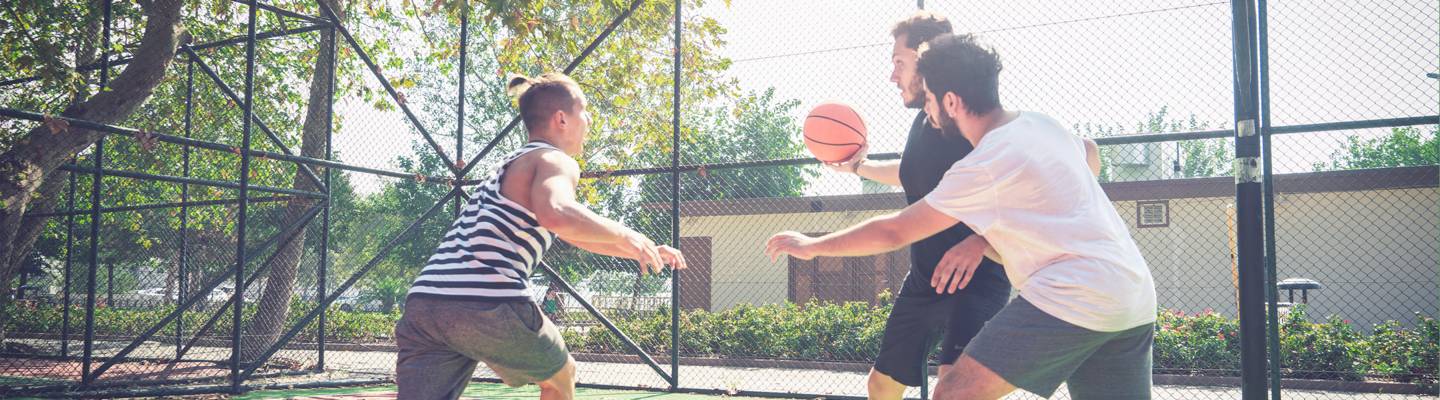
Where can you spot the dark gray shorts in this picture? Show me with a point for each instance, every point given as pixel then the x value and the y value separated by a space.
pixel 442 340
pixel 1037 352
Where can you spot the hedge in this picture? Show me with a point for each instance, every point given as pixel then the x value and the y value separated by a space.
pixel 1196 344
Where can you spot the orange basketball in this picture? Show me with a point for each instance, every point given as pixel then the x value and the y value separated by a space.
pixel 833 132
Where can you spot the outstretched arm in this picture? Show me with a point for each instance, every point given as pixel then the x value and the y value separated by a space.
pixel 552 199
pixel 874 236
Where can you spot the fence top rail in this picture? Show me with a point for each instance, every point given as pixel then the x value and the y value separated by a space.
pixel 184 141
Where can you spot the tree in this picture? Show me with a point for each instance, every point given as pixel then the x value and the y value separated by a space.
pixel 1195 158
pixel 757 127
pixel 628 79
pixel 275 300
pixel 28 178
pixel 396 205
pixel 280 86
pixel 1404 147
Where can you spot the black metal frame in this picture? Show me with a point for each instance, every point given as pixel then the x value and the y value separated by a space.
pixel 1254 196
pixel 674 376
pixel 1250 253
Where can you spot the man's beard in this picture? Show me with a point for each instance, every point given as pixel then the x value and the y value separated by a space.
pixel 949 127
pixel 918 90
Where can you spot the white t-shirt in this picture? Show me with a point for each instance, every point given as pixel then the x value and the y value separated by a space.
pixel 1027 189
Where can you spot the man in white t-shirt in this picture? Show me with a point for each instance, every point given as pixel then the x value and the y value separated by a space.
pixel 1086 311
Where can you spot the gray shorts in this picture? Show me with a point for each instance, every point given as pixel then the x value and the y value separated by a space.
pixel 1036 352
pixel 441 341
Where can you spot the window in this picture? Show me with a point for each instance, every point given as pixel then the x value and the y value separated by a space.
pixel 1152 214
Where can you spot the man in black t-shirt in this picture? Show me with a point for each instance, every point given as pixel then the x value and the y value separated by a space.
pixel 952 289
pixel 929 306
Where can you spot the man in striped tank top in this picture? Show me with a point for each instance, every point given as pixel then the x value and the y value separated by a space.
pixel 469 303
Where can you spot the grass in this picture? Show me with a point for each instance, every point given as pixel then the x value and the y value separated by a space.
pixel 23 380
pixel 487 391
pixel 475 391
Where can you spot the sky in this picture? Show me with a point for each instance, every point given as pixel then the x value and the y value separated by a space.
pixel 1082 62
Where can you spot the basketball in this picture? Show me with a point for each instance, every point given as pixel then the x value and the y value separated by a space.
pixel 833 132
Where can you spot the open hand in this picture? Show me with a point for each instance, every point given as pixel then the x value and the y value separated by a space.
pixel 790 243
pixel 671 256
pixel 959 265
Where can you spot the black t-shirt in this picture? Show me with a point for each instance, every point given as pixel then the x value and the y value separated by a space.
pixel 928 154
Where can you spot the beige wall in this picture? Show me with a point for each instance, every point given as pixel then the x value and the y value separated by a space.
pixel 740 272
pixel 1189 259
pixel 1376 252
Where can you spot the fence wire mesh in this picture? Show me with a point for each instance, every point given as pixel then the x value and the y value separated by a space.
pixel 1354 161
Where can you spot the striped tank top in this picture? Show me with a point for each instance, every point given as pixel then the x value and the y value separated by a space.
pixel 491 249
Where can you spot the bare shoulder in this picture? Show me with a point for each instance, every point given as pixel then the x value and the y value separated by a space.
pixel 532 168
pixel 553 160
pixel 543 164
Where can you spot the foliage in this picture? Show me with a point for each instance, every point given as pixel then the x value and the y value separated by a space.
pixel 1319 350
pixel 1402 147
pixel 626 282
pixel 1408 355
pixel 388 291
pixel 341 326
pixel 1197 158
pixel 1195 344
pixel 1205 343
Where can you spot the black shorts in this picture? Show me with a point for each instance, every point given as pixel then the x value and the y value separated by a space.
pixel 920 318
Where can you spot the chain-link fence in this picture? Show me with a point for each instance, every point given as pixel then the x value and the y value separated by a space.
pixel 351 176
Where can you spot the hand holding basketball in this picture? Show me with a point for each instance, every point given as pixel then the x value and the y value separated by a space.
pixel 850 166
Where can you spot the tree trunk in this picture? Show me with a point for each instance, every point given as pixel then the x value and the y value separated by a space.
pixel 172 272
pixel 34 160
pixel 274 307
pixel 44 201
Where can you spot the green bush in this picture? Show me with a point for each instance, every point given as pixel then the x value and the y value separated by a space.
pixel 1319 350
pixel 341 326
pixel 1403 355
pixel 1205 343
pixel 1197 344
pixel 817 331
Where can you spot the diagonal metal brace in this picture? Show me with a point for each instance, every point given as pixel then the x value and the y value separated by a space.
pixel 568 69
pixel 275 139
pixel 555 277
pixel 210 323
pixel 394 95
pixel 203 293
pixel 324 305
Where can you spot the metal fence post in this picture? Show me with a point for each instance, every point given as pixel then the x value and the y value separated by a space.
pixel 69 250
pixel 675 208
pixel 1272 321
pixel 99 156
pixel 184 198
pixel 1248 204
pixel 249 114
pixel 325 218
